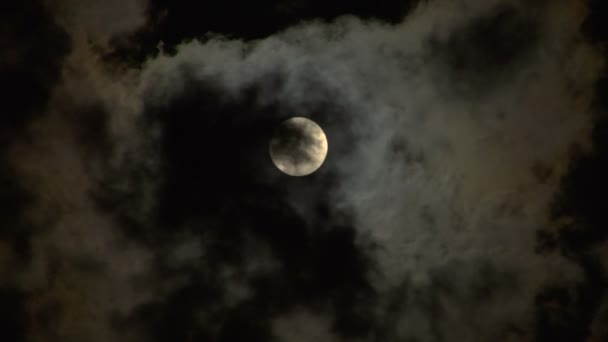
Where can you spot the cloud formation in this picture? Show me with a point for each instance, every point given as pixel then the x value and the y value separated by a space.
pixel 159 215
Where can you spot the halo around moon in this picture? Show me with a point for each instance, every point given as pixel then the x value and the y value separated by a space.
pixel 298 146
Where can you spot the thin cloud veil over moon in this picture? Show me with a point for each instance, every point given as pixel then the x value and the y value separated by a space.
pixel 298 146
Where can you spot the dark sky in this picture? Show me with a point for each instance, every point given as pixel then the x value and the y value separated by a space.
pixel 463 197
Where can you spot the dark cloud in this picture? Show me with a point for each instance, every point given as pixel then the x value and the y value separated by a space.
pixel 593 25
pixel 215 187
pixel 12 314
pixel 141 204
pixel 488 48
pixel 580 233
pixel 27 32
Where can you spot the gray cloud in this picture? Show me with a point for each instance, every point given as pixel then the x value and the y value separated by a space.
pixel 100 21
pixel 441 175
pixel 442 120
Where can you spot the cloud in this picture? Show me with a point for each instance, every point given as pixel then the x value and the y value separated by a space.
pixel 449 134
pixel 302 326
pixel 100 21
pixel 448 116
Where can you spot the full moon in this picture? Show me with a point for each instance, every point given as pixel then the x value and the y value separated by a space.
pixel 298 146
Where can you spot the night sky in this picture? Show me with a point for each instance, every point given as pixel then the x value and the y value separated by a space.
pixel 463 198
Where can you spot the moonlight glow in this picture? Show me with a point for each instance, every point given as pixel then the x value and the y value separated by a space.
pixel 298 147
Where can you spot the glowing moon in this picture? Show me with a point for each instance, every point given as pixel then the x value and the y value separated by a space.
pixel 298 146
